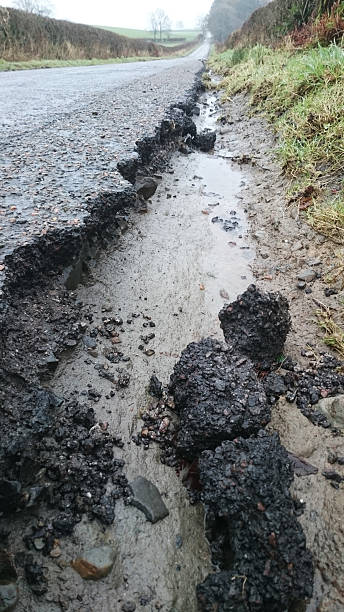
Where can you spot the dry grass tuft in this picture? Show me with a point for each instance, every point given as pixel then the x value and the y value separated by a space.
pixel 333 332
pixel 328 219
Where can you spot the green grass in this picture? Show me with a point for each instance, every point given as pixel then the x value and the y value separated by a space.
pixel 51 63
pixel 30 65
pixel 185 35
pixel 302 93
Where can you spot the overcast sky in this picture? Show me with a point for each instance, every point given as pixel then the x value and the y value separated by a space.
pixel 127 13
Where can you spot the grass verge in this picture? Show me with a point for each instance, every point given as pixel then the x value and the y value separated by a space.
pixel 33 64
pixel 53 63
pixel 302 93
pixel 333 332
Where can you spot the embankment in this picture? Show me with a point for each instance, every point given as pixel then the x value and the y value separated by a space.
pixel 24 36
pixel 269 24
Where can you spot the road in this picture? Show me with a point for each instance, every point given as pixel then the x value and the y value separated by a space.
pixel 29 98
pixel 63 130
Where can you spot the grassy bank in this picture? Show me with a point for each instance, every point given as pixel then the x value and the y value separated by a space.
pixel 26 37
pixel 302 93
pixel 6 66
pixel 34 64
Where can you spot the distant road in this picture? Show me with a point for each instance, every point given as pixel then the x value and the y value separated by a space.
pixel 31 98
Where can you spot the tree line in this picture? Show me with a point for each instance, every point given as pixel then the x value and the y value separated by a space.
pixel 225 16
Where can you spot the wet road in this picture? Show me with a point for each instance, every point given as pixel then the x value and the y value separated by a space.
pixel 62 132
pixel 30 98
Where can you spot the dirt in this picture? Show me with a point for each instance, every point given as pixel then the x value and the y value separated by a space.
pixel 167 275
pixel 286 245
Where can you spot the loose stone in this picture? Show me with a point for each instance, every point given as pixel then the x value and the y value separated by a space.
pixel 146 497
pixel 95 563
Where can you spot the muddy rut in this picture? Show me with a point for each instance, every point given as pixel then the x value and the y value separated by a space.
pixel 173 268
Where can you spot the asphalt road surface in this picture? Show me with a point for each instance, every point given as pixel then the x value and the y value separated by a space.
pixel 63 130
pixel 28 98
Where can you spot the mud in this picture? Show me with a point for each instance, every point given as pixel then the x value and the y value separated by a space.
pixel 285 246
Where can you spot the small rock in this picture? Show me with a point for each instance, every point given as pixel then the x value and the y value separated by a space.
pixel 8 596
pixel 128 606
pixel 8 583
pixel 205 140
pixel 146 187
pixel 155 387
pixel 51 362
pixel 328 291
pixel 89 342
pixel 307 275
pixel 146 497
pixel 56 552
pixel 301 285
pixel 95 563
pixel 332 475
pixel 333 408
pixel 39 543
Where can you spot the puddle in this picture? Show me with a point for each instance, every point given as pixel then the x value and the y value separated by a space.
pixel 227 263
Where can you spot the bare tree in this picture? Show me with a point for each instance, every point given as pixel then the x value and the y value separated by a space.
pixel 160 22
pixel 154 25
pixel 202 23
pixel 180 25
pixel 38 7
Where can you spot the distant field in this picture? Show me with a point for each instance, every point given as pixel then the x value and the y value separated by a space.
pixel 186 35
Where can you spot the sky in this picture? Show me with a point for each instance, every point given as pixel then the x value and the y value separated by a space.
pixel 127 13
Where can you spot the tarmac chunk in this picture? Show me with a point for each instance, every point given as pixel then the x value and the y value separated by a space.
pixel 264 560
pixel 218 397
pixel 256 324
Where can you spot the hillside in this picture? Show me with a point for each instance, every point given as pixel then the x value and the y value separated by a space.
pixel 25 36
pixel 271 23
pixel 225 16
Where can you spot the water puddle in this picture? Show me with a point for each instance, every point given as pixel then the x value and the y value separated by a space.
pixel 227 263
